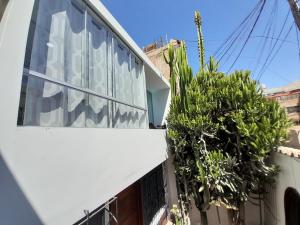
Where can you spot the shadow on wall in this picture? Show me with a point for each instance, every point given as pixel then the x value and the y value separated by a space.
pixel 15 208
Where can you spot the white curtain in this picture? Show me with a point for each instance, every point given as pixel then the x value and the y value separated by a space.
pixel 123 114
pixel 138 87
pixel 56 51
pixel 97 112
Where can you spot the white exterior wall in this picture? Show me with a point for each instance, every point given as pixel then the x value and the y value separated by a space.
pixel 50 175
pixel 289 176
pixel 160 108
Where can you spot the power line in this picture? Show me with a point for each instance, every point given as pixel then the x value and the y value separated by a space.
pixel 278 49
pixel 266 33
pixel 253 36
pixel 245 43
pixel 227 44
pixel 275 44
pixel 274 38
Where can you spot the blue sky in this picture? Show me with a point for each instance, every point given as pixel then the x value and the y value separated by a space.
pixel 148 21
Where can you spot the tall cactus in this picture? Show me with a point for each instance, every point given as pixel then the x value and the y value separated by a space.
pixel 170 59
pixel 198 23
pixel 184 73
pixel 180 72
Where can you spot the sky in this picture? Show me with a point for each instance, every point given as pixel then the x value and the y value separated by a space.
pixel 152 20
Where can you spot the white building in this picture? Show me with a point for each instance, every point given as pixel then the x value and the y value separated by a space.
pixel 75 118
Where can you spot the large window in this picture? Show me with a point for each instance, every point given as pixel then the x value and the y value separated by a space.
pixel 78 73
pixel 153 194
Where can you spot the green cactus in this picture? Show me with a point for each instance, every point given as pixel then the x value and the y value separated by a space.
pixel 198 23
pixel 180 72
pixel 212 66
pixel 170 60
pixel 184 74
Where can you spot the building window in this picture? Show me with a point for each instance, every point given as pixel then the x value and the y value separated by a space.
pixel 3 4
pixel 150 109
pixel 78 73
pixel 153 194
pixel 293 109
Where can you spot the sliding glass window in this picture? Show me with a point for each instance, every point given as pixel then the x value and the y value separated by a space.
pixel 78 73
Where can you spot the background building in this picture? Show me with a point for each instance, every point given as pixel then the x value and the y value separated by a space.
pixel 288 97
pixel 155 53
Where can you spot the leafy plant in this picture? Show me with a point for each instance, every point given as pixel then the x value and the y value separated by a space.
pixel 176 216
pixel 221 131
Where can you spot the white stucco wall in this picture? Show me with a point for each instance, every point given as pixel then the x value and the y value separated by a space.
pixel 50 175
pixel 289 176
pixel 63 171
pixel 160 108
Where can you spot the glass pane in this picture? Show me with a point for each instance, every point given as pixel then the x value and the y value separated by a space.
pixel 138 82
pixel 55 42
pixel 98 76
pixel 51 105
pixel 142 118
pixel 128 117
pixel 43 103
pixel 122 75
pixel 150 107
pixel 76 108
pixel 97 112
pixel 121 116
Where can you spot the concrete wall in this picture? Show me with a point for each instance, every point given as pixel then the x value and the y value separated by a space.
pixel 63 171
pixel 252 215
pixel 50 175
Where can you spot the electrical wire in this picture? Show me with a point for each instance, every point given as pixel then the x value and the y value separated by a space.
pixel 266 33
pixel 245 43
pixel 274 55
pixel 233 37
pixel 273 47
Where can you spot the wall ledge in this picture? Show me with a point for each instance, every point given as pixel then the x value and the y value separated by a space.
pixel 292 152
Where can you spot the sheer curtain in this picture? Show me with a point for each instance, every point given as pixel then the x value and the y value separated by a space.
pixel 98 81
pixel 123 114
pixel 55 50
pixel 138 87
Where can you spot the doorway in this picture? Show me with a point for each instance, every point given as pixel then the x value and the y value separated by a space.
pixel 130 206
pixel 292 206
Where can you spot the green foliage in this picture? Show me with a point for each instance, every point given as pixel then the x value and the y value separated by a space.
pixel 180 72
pixel 222 139
pixel 221 131
pixel 176 216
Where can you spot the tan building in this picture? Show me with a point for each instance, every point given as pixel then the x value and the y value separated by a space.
pixel 289 97
pixel 155 53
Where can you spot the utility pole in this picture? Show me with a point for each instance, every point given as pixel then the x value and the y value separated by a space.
pixel 296 11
